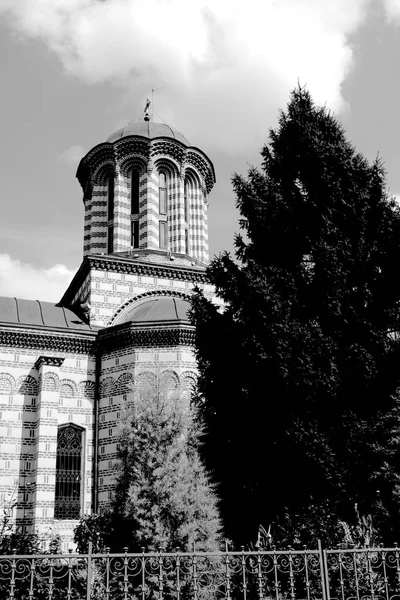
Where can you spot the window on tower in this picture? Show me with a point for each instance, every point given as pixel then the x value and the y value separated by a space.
pixel 162 193
pixel 68 472
pixel 135 234
pixel 110 198
pixel 110 240
pixel 135 179
pixel 163 235
pixel 110 214
pixel 186 200
pixel 187 249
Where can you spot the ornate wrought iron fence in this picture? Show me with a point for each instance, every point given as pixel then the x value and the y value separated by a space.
pixel 362 574
pixel 367 574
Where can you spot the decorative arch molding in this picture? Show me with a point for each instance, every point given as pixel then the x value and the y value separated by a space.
pixel 51 382
pixel 86 389
pixel 193 177
pixel 141 299
pixel 167 164
pixel 108 387
pixel 103 171
pixel 7 384
pixel 68 388
pixel 169 380
pixel 27 385
pixel 170 148
pixel 133 161
pixel 124 384
pixel 188 379
pixel 145 379
pixel 128 145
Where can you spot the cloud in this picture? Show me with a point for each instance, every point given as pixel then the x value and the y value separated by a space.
pixel 25 281
pixel 72 155
pixel 392 8
pixel 222 66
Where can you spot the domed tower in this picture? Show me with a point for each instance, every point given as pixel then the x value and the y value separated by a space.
pixel 145 192
pixel 145 249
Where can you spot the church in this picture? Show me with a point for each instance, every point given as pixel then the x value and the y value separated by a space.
pixel 67 369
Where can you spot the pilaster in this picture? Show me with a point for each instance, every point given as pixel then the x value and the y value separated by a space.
pixel 46 440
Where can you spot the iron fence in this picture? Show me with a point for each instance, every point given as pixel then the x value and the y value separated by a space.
pixel 354 574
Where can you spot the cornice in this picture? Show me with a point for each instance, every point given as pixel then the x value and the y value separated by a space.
pixel 130 266
pixel 48 340
pixel 147 335
pixel 116 151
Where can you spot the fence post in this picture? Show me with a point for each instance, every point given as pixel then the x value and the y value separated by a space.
pixel 89 572
pixel 324 572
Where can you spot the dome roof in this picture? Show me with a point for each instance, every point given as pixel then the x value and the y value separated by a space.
pixel 166 308
pixel 148 129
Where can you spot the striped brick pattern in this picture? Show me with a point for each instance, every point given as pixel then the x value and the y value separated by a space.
pixel 122 372
pixel 149 157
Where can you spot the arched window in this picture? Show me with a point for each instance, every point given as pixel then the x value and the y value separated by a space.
pixel 187 190
pixel 162 193
pixel 186 199
pixel 110 214
pixel 68 472
pixel 135 178
pixel 110 198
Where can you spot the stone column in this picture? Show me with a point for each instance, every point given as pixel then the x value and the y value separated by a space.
pixel 46 441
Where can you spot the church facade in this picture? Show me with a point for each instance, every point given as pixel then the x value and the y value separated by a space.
pixel 68 370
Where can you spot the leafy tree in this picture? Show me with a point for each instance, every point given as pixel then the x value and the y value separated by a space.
pixel 299 372
pixel 163 495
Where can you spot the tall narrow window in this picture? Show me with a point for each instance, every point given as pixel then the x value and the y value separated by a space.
pixel 162 193
pixel 135 192
pixel 163 235
pixel 186 199
pixel 187 241
pixel 68 473
pixel 135 234
pixel 110 198
pixel 110 240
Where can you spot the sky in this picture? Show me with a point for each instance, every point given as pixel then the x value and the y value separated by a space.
pixel 73 71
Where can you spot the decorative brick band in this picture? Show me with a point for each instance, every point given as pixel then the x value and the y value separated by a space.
pixel 48 341
pixel 52 361
pixel 133 267
pixel 128 334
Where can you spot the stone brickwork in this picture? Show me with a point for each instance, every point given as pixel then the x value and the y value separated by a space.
pixel 122 370
pixel 108 284
pixel 37 394
pixel 84 372
pixel 183 166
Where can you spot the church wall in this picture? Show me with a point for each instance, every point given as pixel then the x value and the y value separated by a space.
pixel 33 403
pixel 121 370
pixel 109 291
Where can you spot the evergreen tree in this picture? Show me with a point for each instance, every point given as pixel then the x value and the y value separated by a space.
pixel 299 373
pixel 163 492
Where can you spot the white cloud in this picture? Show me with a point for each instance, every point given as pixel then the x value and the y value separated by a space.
pixel 25 281
pixel 224 66
pixel 392 8
pixel 72 155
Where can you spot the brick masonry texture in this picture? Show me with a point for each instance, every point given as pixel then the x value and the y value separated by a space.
pixel 50 378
